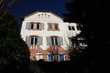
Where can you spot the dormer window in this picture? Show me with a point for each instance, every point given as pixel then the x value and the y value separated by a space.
pixel 53 27
pixel 34 26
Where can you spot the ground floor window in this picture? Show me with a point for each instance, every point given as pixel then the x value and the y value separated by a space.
pixel 55 57
pixel 50 58
pixel 61 57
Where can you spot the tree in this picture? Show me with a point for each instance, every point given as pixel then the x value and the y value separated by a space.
pixel 6 3
pixel 76 13
pixel 89 13
pixel 14 53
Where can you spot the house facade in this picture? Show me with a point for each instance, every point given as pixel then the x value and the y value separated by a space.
pixel 48 36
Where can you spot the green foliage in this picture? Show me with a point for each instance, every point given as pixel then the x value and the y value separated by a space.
pixel 13 50
pixel 4 4
pixel 76 13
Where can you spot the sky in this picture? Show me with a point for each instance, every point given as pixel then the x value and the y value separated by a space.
pixel 25 7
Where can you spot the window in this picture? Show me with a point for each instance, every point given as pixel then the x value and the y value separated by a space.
pixel 36 40
pixel 61 57
pixel 71 28
pixel 78 27
pixel 55 57
pixel 50 57
pixel 38 24
pixel 53 26
pixel 54 40
pixel 34 26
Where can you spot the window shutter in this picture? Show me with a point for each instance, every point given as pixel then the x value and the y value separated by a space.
pixel 60 41
pixel 28 25
pixel 39 41
pixel 50 57
pixel 41 26
pixel 49 41
pixel 28 41
pixel 61 57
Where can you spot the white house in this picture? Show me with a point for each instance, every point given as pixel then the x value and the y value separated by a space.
pixel 47 36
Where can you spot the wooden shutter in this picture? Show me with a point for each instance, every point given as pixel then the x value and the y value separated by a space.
pixel 28 25
pixel 60 40
pixel 39 40
pixel 40 26
pixel 49 41
pixel 28 41
pixel 61 57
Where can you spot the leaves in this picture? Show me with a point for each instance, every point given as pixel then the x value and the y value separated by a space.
pixel 5 4
pixel 13 50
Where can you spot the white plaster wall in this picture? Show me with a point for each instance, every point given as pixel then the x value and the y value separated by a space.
pixel 63 26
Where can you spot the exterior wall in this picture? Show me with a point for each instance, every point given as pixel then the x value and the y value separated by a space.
pixel 45 18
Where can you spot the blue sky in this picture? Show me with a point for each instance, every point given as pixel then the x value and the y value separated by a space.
pixel 25 7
